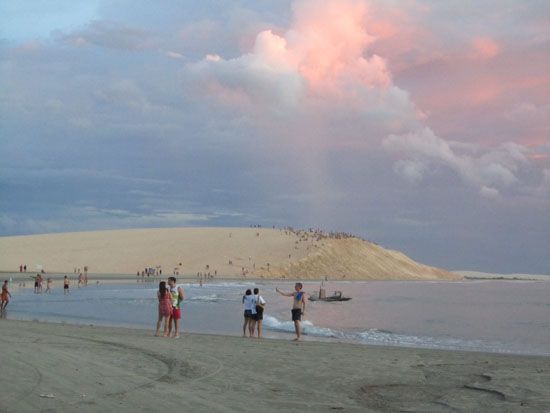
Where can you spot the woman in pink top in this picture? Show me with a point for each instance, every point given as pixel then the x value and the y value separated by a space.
pixel 165 307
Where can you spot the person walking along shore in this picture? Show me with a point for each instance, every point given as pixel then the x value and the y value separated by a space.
pixel 5 296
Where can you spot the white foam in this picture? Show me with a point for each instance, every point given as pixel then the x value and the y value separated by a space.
pixel 378 337
pixel 308 328
pixel 205 298
pixel 226 284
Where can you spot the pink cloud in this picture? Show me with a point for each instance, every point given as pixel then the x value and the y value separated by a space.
pixel 484 48
pixel 326 47
pixel 328 41
pixel 327 78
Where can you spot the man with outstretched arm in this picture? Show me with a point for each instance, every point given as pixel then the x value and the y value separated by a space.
pixel 298 307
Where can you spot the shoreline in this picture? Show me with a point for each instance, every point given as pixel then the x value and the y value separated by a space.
pixel 278 335
pixel 68 367
pixel 394 335
pixel 189 278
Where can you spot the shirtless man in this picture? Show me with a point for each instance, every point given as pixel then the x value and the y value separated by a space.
pixel 298 307
pixel 66 283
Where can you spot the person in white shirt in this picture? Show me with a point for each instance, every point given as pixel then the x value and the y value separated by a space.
pixel 260 305
pixel 249 302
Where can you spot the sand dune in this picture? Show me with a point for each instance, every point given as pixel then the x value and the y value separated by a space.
pixel 230 252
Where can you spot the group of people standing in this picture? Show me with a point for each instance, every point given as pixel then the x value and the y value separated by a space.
pixel 170 297
pixel 254 305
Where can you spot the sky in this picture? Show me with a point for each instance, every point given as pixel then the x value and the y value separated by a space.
pixel 421 125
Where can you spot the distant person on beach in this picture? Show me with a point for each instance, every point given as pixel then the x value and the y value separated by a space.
pixel 49 286
pixel 80 280
pixel 177 295
pixel 36 283
pixel 249 302
pixel 260 305
pixel 66 283
pixel 165 308
pixel 298 307
pixel 5 297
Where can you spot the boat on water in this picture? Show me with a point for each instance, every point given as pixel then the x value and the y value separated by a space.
pixel 322 296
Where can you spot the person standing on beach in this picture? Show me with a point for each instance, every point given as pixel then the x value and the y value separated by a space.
pixel 249 302
pixel 36 283
pixel 260 305
pixel 49 286
pixel 66 283
pixel 177 295
pixel 165 308
pixel 298 307
pixel 5 297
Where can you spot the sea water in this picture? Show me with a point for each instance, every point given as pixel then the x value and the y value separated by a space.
pixel 494 316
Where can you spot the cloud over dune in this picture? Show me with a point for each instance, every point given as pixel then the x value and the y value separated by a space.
pixel 324 64
pixel 357 115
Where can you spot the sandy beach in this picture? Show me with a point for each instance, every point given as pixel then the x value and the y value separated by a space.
pixel 59 367
pixel 222 252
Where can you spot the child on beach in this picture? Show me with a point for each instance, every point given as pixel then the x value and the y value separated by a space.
pixel 165 308
pixel 298 307
pixel 5 297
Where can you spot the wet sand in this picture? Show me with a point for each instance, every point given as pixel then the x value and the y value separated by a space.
pixel 59 367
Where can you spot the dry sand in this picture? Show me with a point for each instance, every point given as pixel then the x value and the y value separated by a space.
pixel 63 368
pixel 289 254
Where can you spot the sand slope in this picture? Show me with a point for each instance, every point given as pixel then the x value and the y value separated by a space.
pixel 256 252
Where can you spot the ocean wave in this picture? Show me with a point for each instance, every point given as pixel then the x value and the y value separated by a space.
pixel 205 298
pixel 236 284
pixel 382 337
pixel 308 328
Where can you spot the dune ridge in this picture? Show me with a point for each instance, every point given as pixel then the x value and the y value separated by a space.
pixel 226 252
